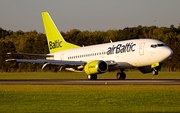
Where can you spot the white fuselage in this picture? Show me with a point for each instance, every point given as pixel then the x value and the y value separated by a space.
pixel 127 54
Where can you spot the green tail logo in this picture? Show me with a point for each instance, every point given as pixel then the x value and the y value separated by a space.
pixel 55 44
pixel 55 40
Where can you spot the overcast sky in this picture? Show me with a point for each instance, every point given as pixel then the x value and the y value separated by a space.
pixel 91 15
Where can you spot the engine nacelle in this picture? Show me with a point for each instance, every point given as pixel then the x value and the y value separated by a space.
pixel 96 67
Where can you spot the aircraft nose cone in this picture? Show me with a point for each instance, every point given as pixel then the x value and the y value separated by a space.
pixel 169 52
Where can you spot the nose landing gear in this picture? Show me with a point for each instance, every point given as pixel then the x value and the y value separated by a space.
pixel 155 72
pixel 156 67
pixel 121 75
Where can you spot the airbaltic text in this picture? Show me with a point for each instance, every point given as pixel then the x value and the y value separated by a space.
pixel 120 48
pixel 55 44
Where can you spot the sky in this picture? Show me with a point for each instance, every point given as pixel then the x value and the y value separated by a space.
pixel 89 15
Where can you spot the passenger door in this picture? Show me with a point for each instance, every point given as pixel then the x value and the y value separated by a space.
pixel 141 48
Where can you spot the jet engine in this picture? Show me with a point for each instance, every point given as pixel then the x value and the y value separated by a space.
pixel 95 67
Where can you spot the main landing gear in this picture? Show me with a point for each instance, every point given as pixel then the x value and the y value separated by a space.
pixel 121 75
pixel 92 77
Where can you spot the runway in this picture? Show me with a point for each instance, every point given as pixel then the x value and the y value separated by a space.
pixel 91 82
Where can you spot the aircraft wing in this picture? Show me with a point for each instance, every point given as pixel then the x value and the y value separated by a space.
pixel 46 62
pixel 56 62
pixel 30 54
pixel 53 62
pixel 49 62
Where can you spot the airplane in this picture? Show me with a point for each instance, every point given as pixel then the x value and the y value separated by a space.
pixel 147 55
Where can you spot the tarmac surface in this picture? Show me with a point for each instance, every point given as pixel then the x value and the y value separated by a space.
pixel 91 82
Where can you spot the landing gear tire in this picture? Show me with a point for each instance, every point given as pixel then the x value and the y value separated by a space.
pixel 121 75
pixel 92 77
pixel 155 72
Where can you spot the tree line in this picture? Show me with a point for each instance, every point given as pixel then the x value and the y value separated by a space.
pixel 34 42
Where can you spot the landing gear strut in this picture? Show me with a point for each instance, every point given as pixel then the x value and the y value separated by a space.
pixel 121 75
pixel 92 77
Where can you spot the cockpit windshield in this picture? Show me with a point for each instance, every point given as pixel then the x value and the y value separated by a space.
pixel 157 45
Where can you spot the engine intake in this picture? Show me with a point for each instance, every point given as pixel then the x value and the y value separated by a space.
pixel 96 67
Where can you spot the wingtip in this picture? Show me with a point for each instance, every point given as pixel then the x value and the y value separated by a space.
pixel 10 60
pixel 9 53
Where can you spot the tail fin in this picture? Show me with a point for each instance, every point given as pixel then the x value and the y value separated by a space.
pixel 55 40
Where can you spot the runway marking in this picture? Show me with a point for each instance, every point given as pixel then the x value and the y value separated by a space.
pixel 92 82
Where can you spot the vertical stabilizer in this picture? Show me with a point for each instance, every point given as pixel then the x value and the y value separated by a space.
pixel 55 40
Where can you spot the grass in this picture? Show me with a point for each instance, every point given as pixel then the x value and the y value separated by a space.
pixel 79 98
pixel 87 98
pixel 73 75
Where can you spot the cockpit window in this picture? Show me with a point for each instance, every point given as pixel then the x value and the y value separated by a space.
pixel 153 46
pixel 157 45
pixel 160 45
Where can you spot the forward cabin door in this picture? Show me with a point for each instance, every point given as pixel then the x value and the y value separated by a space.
pixel 141 48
